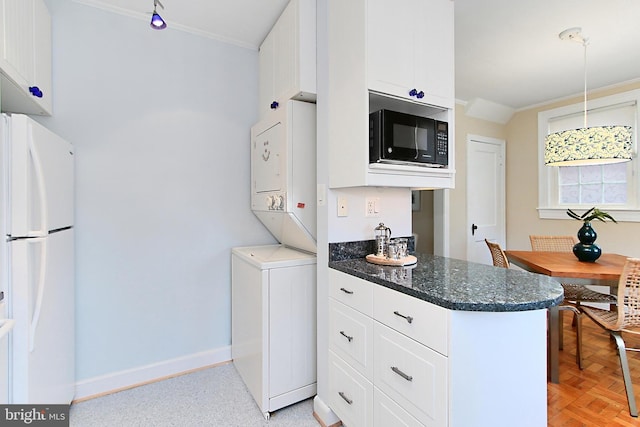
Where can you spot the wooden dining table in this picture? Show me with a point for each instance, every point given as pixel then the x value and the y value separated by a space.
pixel 605 271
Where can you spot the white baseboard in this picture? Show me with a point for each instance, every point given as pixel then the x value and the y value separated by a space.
pixel 117 381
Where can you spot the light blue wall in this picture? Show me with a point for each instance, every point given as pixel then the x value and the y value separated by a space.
pixel 161 125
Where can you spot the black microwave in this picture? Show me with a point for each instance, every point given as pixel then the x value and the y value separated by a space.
pixel 396 137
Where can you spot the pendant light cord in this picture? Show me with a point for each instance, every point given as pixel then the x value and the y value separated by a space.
pixel 584 43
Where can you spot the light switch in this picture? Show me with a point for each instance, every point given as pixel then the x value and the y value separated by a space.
pixel 322 194
pixel 343 209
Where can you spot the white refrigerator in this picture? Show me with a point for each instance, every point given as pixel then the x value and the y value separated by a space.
pixel 37 261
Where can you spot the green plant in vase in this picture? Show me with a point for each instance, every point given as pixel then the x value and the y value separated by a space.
pixel 586 250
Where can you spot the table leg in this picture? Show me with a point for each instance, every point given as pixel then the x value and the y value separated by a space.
pixel 553 347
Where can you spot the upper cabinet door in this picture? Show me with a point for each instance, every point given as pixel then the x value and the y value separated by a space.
pixel 288 58
pixel 410 50
pixel 25 56
pixel 16 37
pixel 266 74
pixel 435 58
pixel 42 55
pixel 391 36
pixel 285 52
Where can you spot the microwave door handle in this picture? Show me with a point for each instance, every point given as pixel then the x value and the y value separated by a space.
pixel 415 141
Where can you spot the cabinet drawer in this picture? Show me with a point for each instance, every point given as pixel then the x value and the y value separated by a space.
pixel 424 322
pixel 412 375
pixel 350 394
pixel 351 337
pixel 387 413
pixel 352 291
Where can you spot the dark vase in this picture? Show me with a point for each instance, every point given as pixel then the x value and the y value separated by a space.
pixel 587 250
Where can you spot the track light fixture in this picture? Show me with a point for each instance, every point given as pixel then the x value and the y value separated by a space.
pixel 157 23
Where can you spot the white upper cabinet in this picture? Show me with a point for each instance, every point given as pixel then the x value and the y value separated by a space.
pixel 25 57
pixel 288 58
pixel 410 49
pixel 42 56
pixel 17 40
pixel 395 55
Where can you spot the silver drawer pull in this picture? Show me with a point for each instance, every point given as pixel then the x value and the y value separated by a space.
pixel 346 291
pixel 407 318
pixel 346 399
pixel 346 336
pixel 402 374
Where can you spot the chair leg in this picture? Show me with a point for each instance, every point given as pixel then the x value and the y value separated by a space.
pixel 577 318
pixel 560 330
pixel 574 322
pixel 624 364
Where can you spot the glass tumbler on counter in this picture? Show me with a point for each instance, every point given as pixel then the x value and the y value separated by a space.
pixel 393 250
pixel 401 243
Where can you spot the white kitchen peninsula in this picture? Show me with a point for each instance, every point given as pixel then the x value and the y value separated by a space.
pixel 445 343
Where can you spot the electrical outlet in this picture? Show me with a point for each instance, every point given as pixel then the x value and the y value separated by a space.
pixel 372 207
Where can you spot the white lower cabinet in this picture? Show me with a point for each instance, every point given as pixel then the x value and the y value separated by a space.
pixel 424 322
pixel 351 337
pixel 408 362
pixel 374 352
pixel 352 291
pixel 350 394
pixel 388 413
pixel 411 374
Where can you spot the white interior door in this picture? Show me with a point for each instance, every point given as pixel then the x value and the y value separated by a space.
pixel 485 196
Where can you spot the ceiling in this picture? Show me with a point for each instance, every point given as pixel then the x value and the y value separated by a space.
pixel 507 52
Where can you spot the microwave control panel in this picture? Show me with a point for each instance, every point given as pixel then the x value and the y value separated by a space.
pixel 442 142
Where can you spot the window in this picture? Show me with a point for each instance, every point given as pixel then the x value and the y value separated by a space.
pixel 616 187
pixel 593 185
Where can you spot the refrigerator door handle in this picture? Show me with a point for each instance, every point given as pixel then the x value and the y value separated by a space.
pixel 39 295
pixel 41 188
pixel 5 326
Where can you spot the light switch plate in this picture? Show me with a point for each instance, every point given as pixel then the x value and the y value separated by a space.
pixel 322 194
pixel 343 208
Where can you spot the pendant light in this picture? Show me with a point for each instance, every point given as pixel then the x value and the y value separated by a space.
pixel 587 145
pixel 157 23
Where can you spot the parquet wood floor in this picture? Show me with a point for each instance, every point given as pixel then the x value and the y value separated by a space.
pixel 595 396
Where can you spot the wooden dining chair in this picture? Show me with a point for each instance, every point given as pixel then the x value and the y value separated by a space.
pixel 573 293
pixel 497 254
pixel 626 318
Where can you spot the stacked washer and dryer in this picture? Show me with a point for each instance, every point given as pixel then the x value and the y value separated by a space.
pixel 274 287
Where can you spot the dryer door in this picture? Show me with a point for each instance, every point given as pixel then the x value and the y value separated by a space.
pixel 268 160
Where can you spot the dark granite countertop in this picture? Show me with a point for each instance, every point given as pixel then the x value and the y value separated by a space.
pixel 460 285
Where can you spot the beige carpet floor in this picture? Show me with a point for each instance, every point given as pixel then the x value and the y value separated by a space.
pixel 211 397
